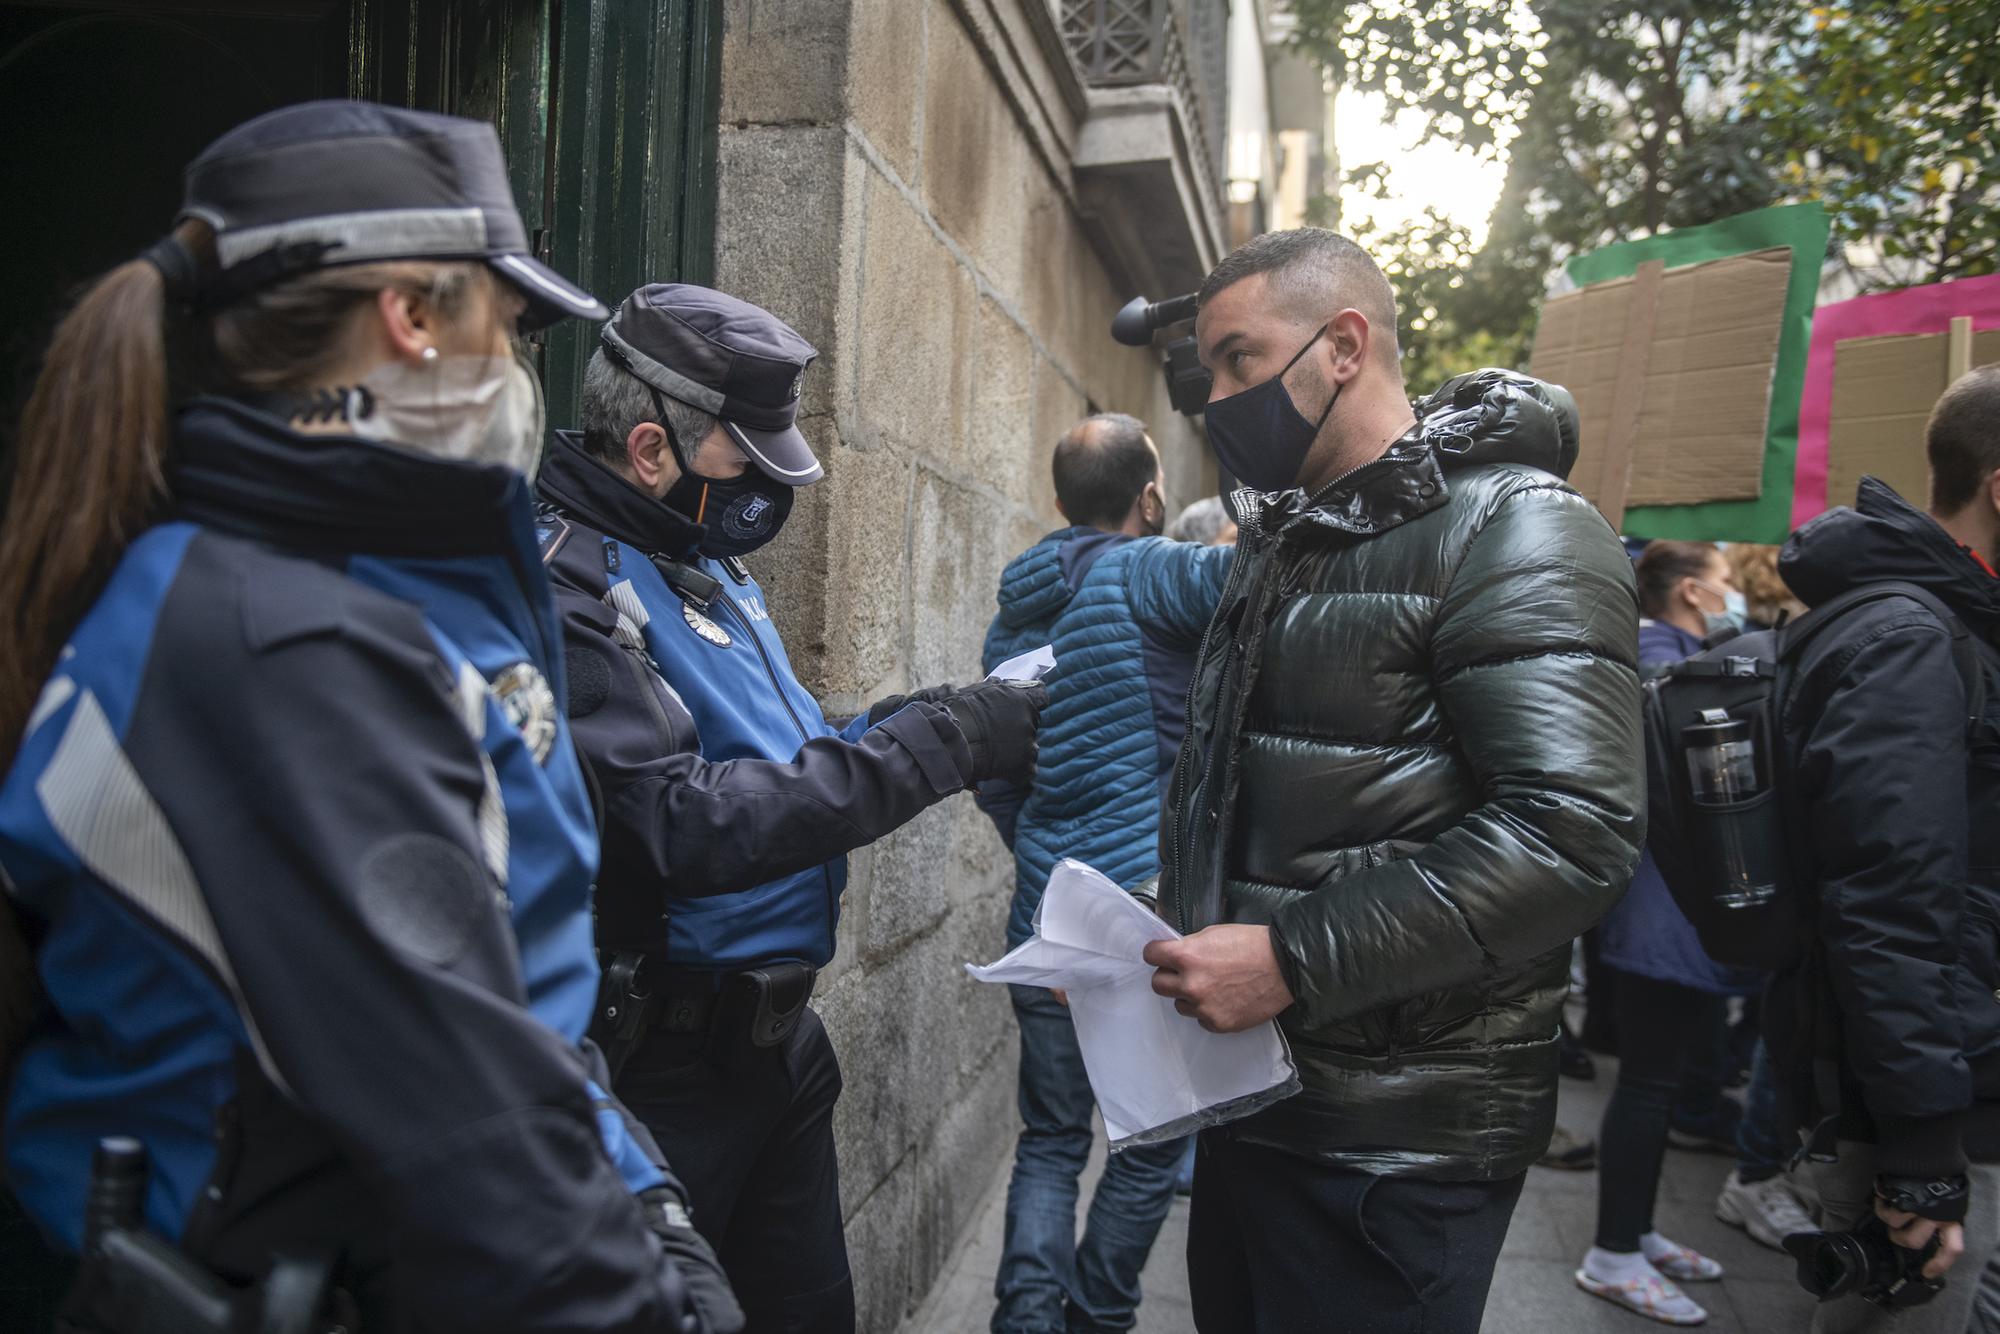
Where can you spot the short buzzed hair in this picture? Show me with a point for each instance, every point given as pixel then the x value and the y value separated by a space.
pixel 1101 465
pixel 1314 272
pixel 1963 439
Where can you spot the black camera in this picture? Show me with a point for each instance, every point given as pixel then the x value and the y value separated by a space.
pixel 1864 1262
pixel 1188 381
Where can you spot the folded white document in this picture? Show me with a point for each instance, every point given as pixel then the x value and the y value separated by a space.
pixel 1030 666
pixel 1157 1074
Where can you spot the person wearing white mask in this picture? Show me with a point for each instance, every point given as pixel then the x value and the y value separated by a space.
pixel 1669 995
pixel 291 819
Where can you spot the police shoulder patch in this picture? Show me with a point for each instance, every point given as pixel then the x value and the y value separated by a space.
pixel 704 627
pixel 525 696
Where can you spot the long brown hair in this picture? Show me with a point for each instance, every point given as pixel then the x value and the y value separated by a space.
pixel 90 470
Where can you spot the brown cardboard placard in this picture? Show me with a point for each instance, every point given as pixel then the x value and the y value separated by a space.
pixel 1577 345
pixel 1958 356
pixel 1628 394
pixel 1883 392
pixel 1703 383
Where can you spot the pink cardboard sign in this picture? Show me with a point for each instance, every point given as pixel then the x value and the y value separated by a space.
pixel 1913 310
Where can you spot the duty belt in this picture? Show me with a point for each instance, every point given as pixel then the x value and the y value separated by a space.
pixel 738 1012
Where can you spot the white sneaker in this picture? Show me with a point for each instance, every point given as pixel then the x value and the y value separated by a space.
pixel 1767 1209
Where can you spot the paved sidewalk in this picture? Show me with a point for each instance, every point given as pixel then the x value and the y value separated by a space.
pixel 1533 1291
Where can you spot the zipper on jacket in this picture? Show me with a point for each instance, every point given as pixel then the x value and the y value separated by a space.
pixel 1250 522
pixel 771 674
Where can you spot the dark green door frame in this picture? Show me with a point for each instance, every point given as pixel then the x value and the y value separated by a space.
pixel 631 167
pixel 606 110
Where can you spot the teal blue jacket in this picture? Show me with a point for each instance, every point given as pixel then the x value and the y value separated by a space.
pixel 1125 616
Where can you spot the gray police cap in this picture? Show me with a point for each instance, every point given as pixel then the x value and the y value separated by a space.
pixel 727 357
pixel 325 183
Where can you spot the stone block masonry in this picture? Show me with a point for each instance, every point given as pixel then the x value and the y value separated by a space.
pixel 893 180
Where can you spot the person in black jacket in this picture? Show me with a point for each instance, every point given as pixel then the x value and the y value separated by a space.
pixel 1411 777
pixel 730 802
pixel 1889 1031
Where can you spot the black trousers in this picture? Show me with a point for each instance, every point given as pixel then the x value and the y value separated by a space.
pixel 753 1144
pixel 1659 1025
pixel 1283 1245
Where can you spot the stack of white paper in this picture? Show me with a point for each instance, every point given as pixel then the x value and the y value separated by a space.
pixel 1157 1074
pixel 1030 666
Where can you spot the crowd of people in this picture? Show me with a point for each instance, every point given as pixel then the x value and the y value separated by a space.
pixel 420 853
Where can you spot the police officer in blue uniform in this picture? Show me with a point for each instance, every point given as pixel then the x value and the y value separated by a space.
pixel 730 801
pixel 293 820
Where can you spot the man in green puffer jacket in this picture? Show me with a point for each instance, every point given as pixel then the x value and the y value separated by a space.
pixel 1412 776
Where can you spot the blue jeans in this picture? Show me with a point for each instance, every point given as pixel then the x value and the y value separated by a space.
pixel 1049 1282
pixel 1760 1151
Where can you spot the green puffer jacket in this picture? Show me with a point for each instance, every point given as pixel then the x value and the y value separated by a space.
pixel 1414 750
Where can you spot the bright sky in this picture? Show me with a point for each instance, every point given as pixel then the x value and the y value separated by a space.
pixel 1457 182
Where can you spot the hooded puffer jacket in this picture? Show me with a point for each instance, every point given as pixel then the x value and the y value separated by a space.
pixel 1900 804
pixel 1124 615
pixel 1414 750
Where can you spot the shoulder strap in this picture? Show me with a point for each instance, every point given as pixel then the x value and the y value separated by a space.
pixel 1794 637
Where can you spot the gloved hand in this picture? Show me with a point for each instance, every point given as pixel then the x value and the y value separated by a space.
pixel 998 719
pixel 713 1308
pixel 888 704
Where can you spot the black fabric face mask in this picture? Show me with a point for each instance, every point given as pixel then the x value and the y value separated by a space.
pixel 1259 434
pixel 737 514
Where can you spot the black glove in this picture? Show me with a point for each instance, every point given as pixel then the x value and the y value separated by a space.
pixel 998 719
pixel 1942 1200
pixel 712 1307
pixel 889 704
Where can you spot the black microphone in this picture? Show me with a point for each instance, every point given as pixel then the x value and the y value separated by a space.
pixel 1135 324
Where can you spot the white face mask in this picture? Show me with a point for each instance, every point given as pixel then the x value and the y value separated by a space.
pixel 479 409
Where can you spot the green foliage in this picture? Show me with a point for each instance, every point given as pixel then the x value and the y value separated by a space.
pixel 1463 63
pixel 1620 119
pixel 1889 111
pixel 1611 119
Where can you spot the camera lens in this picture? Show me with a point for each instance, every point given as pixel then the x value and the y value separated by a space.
pixel 1829 1263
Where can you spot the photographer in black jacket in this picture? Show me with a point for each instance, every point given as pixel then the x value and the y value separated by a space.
pixel 1889 1030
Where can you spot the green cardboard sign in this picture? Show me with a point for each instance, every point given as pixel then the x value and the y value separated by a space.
pixel 1804 228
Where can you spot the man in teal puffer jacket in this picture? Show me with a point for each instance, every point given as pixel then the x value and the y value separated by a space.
pixel 1124 609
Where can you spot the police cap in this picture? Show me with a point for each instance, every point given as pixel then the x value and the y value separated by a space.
pixel 728 358
pixel 325 183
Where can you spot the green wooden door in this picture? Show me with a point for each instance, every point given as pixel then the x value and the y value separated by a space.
pixel 606 110
pixel 631 186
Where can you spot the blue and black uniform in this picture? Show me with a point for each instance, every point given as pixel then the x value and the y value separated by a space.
pixel 306 852
pixel 730 803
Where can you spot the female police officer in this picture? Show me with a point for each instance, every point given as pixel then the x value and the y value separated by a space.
pixel 292 818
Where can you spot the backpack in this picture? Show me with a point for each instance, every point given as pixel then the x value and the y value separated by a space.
pixel 1731 861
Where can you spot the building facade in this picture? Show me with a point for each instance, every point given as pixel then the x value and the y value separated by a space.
pixel 951 198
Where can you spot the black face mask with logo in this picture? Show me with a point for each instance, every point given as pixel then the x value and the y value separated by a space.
pixel 737 514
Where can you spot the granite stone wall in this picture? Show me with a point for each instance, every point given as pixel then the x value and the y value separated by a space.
pixel 893 180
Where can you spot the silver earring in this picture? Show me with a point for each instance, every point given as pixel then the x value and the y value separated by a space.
pixel 430 354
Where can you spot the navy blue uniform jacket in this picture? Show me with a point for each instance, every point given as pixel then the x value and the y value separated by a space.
pixel 300 836
pixel 730 802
